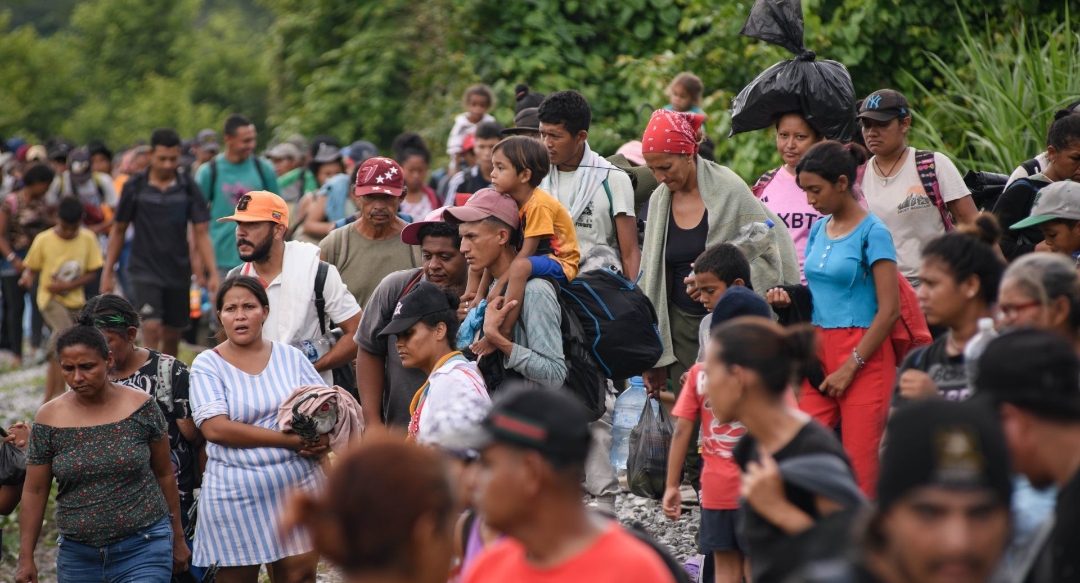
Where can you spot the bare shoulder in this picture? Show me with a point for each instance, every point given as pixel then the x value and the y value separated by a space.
pixel 53 410
pixel 131 398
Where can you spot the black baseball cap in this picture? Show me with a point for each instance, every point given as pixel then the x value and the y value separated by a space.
pixel 950 444
pixel 548 421
pixel 425 298
pixel 884 105
pixel 1034 370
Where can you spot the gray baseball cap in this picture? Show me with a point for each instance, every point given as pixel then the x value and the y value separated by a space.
pixel 207 139
pixel 1059 200
pixel 284 150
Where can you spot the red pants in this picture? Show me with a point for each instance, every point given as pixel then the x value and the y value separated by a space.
pixel 864 406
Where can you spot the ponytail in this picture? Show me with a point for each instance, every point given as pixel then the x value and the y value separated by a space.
pixel 774 353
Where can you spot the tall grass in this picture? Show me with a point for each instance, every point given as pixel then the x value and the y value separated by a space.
pixel 993 113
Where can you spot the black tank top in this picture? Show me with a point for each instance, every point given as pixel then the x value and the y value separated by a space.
pixel 683 247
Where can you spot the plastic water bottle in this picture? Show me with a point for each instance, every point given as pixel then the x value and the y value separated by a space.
pixel 315 349
pixel 195 301
pixel 976 346
pixel 754 239
pixel 627 412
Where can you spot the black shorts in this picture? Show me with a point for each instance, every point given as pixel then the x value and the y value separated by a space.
pixel 719 531
pixel 172 306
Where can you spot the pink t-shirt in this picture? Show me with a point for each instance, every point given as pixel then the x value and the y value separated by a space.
pixel 784 197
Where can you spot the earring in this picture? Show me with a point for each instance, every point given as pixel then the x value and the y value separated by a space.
pixel 970 294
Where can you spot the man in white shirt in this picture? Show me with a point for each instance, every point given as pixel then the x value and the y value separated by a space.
pixel 598 195
pixel 288 271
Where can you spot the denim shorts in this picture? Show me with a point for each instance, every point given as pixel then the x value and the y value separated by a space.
pixel 144 557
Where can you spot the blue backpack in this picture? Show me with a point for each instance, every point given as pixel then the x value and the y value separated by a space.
pixel 619 321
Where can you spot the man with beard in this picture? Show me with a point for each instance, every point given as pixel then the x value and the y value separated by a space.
pixel 289 272
pixel 1032 377
pixel 386 388
pixel 370 248
pixel 943 501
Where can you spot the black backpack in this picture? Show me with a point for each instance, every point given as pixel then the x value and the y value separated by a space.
pixel 584 378
pixel 619 322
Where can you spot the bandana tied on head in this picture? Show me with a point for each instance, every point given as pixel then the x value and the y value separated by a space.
pixel 672 132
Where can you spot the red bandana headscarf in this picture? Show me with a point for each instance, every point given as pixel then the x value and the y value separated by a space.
pixel 672 132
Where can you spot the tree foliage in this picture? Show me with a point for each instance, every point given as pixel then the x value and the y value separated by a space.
pixel 123 67
pixel 369 70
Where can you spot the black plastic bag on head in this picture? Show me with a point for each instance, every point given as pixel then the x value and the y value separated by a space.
pixel 821 91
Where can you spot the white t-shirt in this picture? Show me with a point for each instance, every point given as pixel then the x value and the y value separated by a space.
pixel 1043 159
pixel 457 399
pixel 904 207
pixel 340 306
pixel 596 226
pixel 88 191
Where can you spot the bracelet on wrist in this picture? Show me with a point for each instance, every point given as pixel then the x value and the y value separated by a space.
pixel 858 359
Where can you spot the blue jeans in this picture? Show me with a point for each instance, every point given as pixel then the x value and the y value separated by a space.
pixel 145 557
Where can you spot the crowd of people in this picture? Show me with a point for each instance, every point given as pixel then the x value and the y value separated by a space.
pixel 845 409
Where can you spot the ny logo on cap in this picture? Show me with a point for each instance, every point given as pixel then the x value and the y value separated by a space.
pixel 397 309
pixel 242 204
pixel 873 102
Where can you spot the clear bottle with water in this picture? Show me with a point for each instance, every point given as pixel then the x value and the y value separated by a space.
pixel 976 346
pixel 316 348
pixel 627 412
pixel 755 239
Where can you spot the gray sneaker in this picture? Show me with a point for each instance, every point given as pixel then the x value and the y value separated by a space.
pixel 603 504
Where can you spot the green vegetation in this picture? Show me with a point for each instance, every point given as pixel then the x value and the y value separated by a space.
pixel 994 112
pixel 113 69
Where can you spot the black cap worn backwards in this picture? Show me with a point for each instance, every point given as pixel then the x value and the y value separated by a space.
pixel 949 444
pixel 1034 370
pixel 425 298
pixel 548 421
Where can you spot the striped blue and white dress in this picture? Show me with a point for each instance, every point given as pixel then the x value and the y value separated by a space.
pixel 244 490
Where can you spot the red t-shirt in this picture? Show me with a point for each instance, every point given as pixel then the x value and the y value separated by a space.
pixel 720 478
pixel 615 557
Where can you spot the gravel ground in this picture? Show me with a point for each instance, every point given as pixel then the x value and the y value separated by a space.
pixel 680 536
pixel 21 393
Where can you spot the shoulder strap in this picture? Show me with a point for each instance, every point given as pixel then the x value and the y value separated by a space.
pixel 164 370
pixel 610 204
pixel 100 190
pixel 927 169
pixel 412 282
pixel 320 301
pixel 213 181
pixel 759 187
pixel 262 178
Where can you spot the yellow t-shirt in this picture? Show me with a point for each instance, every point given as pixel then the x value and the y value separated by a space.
pixel 56 258
pixel 545 217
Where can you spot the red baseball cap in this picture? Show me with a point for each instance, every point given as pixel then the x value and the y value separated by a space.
pixel 410 235
pixel 468 143
pixel 379 175
pixel 485 203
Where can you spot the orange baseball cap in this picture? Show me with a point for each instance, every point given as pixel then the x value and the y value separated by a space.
pixel 259 206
